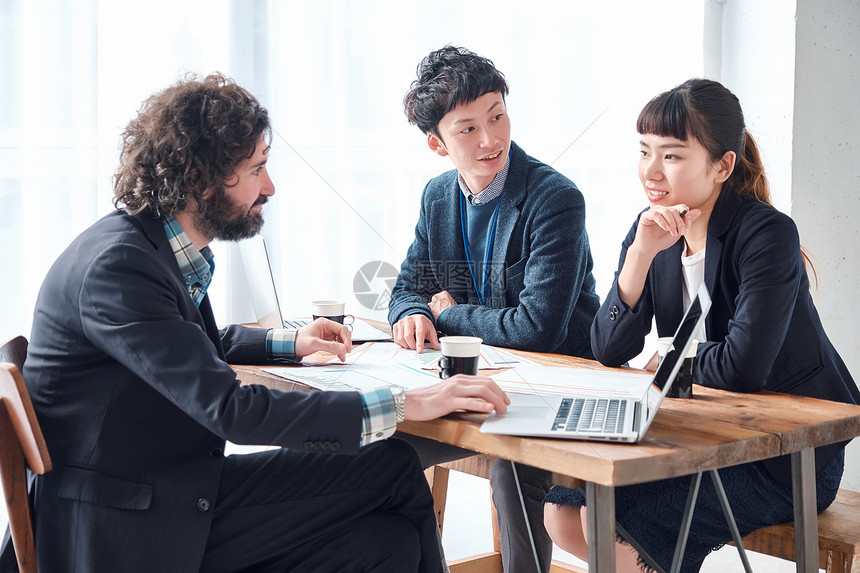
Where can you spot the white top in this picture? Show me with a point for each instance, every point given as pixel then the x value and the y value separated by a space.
pixel 694 276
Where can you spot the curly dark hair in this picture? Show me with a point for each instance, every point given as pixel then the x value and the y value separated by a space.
pixel 447 78
pixel 185 139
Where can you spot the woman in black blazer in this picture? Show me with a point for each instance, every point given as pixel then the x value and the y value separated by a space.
pixel 710 221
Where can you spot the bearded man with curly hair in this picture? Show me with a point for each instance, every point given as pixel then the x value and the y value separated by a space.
pixel 131 382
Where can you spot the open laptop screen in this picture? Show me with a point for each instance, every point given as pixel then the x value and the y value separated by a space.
pixel 684 333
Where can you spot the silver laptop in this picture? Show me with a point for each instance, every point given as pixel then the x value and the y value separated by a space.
pixel 602 418
pixel 264 295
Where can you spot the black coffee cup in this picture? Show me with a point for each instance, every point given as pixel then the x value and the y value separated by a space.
pixel 460 355
pixel 683 385
pixel 332 310
pixel 341 318
pixel 451 365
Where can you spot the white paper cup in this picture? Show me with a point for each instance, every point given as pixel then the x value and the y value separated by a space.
pixel 332 310
pixel 460 346
pixel 664 343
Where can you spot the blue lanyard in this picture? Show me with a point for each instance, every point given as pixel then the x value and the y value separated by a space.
pixel 482 293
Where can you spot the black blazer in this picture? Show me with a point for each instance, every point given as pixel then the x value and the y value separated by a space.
pixel 763 330
pixel 133 390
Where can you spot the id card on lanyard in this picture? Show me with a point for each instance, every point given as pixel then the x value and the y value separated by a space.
pixel 481 292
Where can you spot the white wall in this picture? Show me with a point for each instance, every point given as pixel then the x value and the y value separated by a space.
pixel 758 66
pixel 795 66
pixel 825 193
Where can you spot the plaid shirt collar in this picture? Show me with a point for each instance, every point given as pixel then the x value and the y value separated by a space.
pixel 196 266
pixel 493 190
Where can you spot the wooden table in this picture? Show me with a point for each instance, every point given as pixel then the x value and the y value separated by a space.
pixel 712 430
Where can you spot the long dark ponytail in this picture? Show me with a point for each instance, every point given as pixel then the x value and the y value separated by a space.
pixel 748 178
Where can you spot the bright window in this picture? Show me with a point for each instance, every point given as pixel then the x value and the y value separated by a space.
pixel 348 168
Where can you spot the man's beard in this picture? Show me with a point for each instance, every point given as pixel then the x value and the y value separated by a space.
pixel 221 218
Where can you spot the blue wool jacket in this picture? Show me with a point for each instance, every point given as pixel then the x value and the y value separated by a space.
pixel 543 296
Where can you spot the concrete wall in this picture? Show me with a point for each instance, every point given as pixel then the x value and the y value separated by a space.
pixel 757 64
pixel 825 193
pixel 795 66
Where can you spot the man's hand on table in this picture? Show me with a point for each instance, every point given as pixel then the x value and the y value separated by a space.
pixel 411 332
pixel 440 302
pixel 460 392
pixel 323 334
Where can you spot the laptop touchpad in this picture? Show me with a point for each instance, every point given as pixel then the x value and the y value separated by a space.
pixel 532 407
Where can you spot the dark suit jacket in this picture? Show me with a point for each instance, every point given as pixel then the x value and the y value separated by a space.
pixel 133 390
pixel 543 296
pixel 763 330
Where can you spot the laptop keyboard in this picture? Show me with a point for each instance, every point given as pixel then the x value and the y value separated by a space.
pixel 296 324
pixel 592 415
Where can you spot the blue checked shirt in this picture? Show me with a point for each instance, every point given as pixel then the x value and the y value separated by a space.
pixel 493 190
pixel 197 267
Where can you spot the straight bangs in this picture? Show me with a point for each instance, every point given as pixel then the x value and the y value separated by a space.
pixel 666 115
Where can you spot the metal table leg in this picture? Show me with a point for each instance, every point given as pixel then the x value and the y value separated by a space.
pixel 805 514
pixel 600 500
pixel 538 567
pixel 686 521
pixel 730 519
pixel 644 555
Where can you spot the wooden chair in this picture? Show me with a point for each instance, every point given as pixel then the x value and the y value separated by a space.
pixel 21 445
pixel 477 465
pixel 838 536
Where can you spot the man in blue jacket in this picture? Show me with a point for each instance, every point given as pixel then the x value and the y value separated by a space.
pixel 132 385
pixel 500 252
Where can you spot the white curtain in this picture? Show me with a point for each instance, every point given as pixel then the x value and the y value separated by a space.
pixel 348 168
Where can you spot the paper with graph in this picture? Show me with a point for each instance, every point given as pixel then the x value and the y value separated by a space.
pixel 368 366
pixel 376 364
pixel 536 379
pixel 359 376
